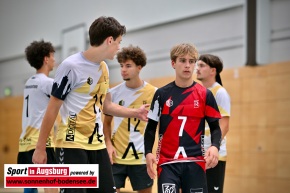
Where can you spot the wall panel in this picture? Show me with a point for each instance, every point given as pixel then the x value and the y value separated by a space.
pixel 258 144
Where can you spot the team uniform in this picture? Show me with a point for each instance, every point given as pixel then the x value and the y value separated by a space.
pixel 216 175
pixel 36 94
pixel 82 85
pixel 181 113
pixel 128 137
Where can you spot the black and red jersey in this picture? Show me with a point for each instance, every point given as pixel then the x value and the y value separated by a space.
pixel 181 113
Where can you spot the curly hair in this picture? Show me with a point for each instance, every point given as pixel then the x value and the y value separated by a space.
pixel 133 53
pixel 36 52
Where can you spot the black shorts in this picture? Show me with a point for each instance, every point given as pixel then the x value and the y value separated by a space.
pixel 137 174
pixel 215 177
pixel 26 157
pixel 82 156
pixel 189 176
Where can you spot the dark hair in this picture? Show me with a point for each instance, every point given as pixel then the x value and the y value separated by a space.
pixel 183 49
pixel 104 27
pixel 136 54
pixel 214 62
pixel 36 52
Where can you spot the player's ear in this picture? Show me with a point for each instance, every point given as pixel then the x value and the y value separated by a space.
pixel 45 59
pixel 213 70
pixel 173 64
pixel 109 40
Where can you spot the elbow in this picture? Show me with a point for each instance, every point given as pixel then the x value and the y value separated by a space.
pixel 106 108
pixel 225 131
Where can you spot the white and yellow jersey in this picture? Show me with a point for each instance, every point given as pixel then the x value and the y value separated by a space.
pixel 82 85
pixel 128 133
pixel 36 95
pixel 224 104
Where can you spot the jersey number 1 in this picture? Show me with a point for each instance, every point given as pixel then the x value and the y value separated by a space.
pixel 27 98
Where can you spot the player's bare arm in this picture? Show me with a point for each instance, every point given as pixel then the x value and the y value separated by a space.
pixel 113 109
pixel 39 156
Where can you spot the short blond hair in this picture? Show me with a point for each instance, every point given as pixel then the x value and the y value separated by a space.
pixel 183 49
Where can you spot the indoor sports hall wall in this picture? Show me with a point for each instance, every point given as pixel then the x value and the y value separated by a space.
pixel 217 28
pixel 258 139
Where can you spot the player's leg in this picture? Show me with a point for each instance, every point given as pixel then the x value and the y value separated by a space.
pixel 215 177
pixel 146 190
pixel 106 180
pixel 26 158
pixel 139 178
pixel 194 177
pixel 168 177
pixel 71 156
pixel 51 159
pixel 120 174
pixel 51 190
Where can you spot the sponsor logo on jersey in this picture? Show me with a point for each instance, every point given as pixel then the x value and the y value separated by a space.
pixel 202 145
pixel 31 86
pixel 25 141
pixel 121 102
pixel 71 126
pixel 169 103
pixel 90 81
pixel 159 147
pixel 196 103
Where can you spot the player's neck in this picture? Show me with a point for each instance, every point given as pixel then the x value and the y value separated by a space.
pixel 183 83
pixel 94 54
pixel 208 83
pixel 42 70
pixel 134 83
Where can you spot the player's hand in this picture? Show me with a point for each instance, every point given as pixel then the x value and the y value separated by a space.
pixel 150 163
pixel 112 152
pixel 39 156
pixel 143 112
pixel 211 157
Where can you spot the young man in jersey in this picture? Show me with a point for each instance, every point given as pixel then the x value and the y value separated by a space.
pixel 181 109
pixel 80 86
pixel 208 71
pixel 37 89
pixel 125 144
